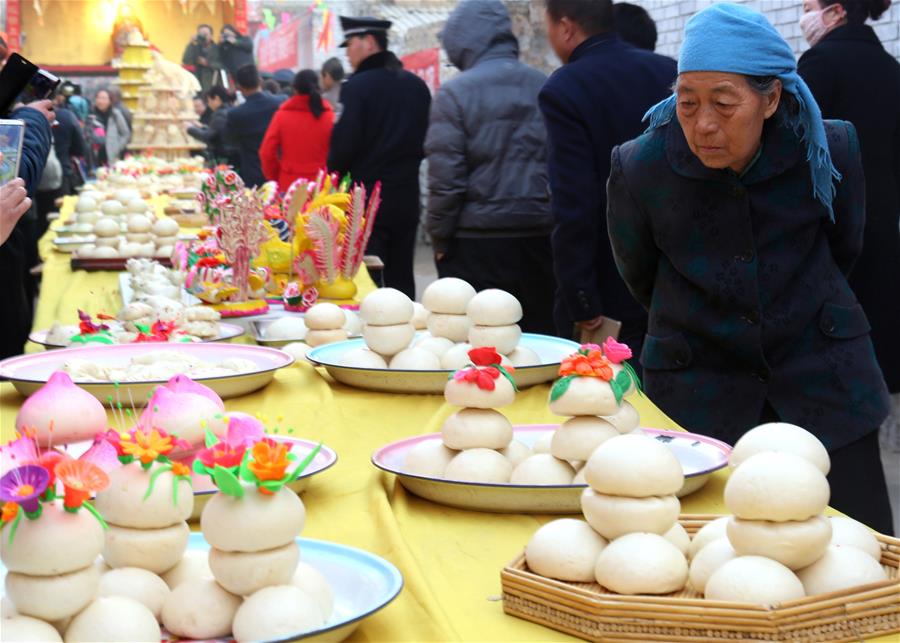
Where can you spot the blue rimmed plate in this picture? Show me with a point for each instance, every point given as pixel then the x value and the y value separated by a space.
pixel 551 351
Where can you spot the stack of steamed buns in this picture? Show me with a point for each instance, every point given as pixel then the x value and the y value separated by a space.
pixel 457 319
pixel 776 546
pixel 477 442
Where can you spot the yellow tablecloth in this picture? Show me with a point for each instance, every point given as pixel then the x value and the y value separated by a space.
pixel 450 558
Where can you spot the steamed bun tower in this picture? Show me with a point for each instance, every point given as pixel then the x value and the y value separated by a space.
pixel 630 508
pixel 478 431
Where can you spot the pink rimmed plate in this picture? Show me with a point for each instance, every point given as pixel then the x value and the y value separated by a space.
pixel 226 332
pixel 699 455
pixel 28 373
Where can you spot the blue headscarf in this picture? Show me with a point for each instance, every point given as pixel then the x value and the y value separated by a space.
pixel 734 39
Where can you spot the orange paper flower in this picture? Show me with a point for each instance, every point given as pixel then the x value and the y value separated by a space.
pixel 269 461
pixel 80 479
pixel 147 447
pixel 591 363
pixel 179 469
pixel 9 512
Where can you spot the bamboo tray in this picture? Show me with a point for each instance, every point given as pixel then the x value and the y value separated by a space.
pixel 587 611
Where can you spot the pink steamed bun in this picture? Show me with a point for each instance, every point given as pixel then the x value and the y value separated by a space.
pixel 184 384
pixel 60 413
pixel 184 412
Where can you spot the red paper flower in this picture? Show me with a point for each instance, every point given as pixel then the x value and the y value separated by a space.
pixel 484 356
pixel 483 378
pixel 49 460
pixel 224 454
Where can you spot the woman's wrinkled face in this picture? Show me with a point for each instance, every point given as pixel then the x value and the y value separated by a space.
pixel 722 117
pixel 102 101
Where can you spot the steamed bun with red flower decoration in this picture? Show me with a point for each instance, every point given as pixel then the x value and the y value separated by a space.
pixel 483 385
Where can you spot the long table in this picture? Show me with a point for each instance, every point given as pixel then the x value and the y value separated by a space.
pixel 450 558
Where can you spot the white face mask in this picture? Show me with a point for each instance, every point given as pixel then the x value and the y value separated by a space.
pixel 813 26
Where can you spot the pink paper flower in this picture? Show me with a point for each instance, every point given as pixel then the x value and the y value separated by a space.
pixel 244 430
pixel 616 352
pixel 17 453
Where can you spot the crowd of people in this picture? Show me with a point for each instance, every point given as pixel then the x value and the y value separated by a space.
pixel 741 233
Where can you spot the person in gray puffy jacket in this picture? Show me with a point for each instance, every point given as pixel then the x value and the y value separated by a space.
pixel 488 202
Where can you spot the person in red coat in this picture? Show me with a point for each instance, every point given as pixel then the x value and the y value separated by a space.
pixel 296 143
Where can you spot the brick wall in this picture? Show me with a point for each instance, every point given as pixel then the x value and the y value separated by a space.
pixel 670 16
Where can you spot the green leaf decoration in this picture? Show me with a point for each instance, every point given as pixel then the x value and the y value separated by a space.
pixel 272 485
pixel 199 468
pixel 210 438
pixel 305 462
pixel 507 375
pixel 96 514
pixel 623 379
pixel 175 493
pixel 634 377
pixel 153 476
pixel 244 470
pixel 15 526
pixel 560 387
pixel 227 482
pixel 617 391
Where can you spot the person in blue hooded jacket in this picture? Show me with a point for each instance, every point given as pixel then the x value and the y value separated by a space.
pixel 735 220
pixel 488 202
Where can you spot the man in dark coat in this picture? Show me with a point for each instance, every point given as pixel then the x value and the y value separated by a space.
pixel 202 54
pixel 218 102
pixel 15 322
pixel 488 202
pixel 379 138
pixel 592 103
pixel 234 50
pixel 68 143
pixel 855 79
pixel 246 124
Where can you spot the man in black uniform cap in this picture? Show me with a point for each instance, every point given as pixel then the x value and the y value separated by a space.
pixel 379 138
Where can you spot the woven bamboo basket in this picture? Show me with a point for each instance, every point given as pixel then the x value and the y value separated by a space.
pixel 588 611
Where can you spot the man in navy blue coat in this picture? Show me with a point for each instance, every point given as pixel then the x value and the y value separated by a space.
pixel 247 123
pixel 380 137
pixel 594 102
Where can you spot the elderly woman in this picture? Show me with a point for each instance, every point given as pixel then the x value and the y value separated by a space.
pixel 735 220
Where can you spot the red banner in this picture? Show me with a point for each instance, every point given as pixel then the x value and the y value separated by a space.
pixel 280 48
pixel 240 15
pixel 13 24
pixel 426 64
